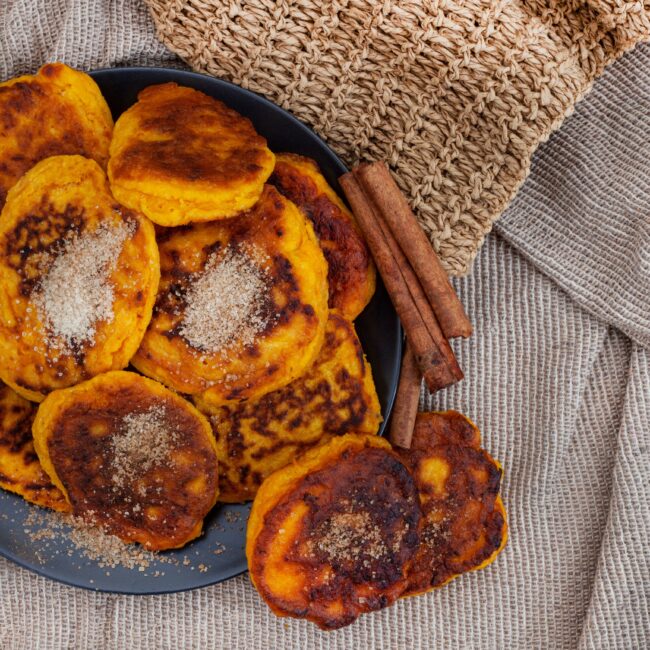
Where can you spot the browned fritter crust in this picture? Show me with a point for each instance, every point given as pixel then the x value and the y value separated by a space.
pixel 20 469
pixel 162 506
pixel 332 537
pixel 57 111
pixel 463 524
pixel 179 156
pixel 294 309
pixel 335 396
pixel 351 274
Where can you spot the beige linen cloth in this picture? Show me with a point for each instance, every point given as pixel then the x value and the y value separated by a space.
pixel 557 377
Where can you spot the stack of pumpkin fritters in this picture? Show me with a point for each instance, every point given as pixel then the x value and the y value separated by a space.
pixel 174 241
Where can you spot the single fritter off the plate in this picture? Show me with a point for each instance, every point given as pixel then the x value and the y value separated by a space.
pixel 179 156
pixel 57 111
pixel 464 521
pixel 242 305
pixel 131 456
pixel 335 396
pixel 351 273
pixel 78 278
pixel 20 469
pixel 332 536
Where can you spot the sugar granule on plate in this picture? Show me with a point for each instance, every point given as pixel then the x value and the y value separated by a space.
pixel 225 303
pixel 76 293
pixel 142 441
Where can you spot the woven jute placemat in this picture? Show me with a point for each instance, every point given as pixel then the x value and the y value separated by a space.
pixel 455 95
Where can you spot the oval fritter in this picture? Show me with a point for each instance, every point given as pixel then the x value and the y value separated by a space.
pixel 179 156
pixel 57 111
pixel 78 278
pixel 351 274
pixel 332 536
pixel 20 469
pixel 335 396
pixel 132 457
pixel 242 305
pixel 464 522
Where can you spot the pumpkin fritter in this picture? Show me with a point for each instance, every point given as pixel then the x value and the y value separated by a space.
pixel 78 278
pixel 242 304
pixel 20 469
pixel 464 521
pixel 332 536
pixel 131 457
pixel 57 111
pixel 335 396
pixel 179 156
pixel 351 274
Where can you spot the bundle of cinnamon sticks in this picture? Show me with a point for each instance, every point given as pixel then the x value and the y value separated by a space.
pixel 425 301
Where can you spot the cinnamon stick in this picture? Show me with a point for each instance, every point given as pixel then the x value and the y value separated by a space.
pixel 405 408
pixel 428 356
pixel 394 208
pixel 423 306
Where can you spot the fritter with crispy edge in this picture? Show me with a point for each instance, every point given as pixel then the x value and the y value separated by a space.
pixel 131 456
pixel 335 396
pixel 180 156
pixel 20 469
pixel 274 243
pixel 58 205
pixel 351 274
pixel 464 521
pixel 332 536
pixel 57 111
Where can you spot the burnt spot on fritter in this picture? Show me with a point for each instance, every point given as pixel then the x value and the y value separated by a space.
pixel 463 524
pixel 360 529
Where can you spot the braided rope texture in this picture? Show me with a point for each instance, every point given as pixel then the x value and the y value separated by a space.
pixel 455 95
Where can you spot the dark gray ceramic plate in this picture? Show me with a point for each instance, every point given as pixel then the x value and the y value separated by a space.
pixel 219 553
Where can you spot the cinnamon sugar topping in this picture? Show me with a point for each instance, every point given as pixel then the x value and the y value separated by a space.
pixel 225 303
pixel 143 441
pixel 76 293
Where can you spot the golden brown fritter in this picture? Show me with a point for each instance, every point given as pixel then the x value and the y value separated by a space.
pixel 180 156
pixel 242 305
pixel 57 111
pixel 78 278
pixel 335 396
pixel 463 524
pixel 351 273
pixel 20 469
pixel 332 536
pixel 131 456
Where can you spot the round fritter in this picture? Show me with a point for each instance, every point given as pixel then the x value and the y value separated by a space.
pixel 78 278
pixel 57 111
pixel 20 469
pixel 242 305
pixel 351 274
pixel 332 536
pixel 464 521
pixel 335 396
pixel 179 156
pixel 131 456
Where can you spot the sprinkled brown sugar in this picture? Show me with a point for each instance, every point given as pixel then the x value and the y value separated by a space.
pixel 75 293
pixel 224 303
pixel 350 536
pixel 143 440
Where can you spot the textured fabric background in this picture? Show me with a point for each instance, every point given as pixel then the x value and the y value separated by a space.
pixel 558 378
pixel 455 95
